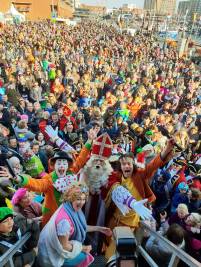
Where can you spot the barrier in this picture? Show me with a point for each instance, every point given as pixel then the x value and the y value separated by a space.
pixel 128 248
pixel 8 256
pixel 177 253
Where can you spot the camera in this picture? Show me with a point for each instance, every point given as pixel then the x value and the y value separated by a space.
pixel 126 246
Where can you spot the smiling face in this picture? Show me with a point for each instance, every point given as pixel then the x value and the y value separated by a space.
pixel 26 200
pixel 69 127
pixel 61 167
pixel 6 225
pixel 79 202
pixel 189 220
pixel 127 166
pixel 182 213
pixel 40 137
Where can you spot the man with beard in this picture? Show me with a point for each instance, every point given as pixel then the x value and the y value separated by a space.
pixel 55 183
pixel 100 178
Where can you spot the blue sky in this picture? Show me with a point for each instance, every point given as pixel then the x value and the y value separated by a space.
pixel 114 3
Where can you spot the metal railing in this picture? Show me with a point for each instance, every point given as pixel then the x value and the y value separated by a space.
pixel 129 248
pixel 7 257
pixel 177 253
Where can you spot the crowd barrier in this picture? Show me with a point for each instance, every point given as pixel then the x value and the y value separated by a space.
pixel 129 248
pixel 7 258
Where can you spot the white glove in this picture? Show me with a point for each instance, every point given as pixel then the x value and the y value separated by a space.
pixel 140 209
pixel 195 230
pixel 53 134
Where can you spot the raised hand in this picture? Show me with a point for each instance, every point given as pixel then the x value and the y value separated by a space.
pixel 168 150
pixel 92 134
pixel 140 209
pixel 53 134
pixel 5 174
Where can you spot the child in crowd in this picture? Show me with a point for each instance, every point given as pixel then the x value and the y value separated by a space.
pixel 11 230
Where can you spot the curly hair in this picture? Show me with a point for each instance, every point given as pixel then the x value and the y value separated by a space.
pixel 74 192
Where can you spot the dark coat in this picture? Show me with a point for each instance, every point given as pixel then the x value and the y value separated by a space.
pixel 27 255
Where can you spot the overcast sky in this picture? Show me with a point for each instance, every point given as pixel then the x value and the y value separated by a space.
pixel 114 3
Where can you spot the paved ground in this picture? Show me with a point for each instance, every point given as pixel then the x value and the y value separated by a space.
pixel 99 262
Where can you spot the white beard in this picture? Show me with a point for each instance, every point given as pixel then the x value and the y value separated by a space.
pixel 96 178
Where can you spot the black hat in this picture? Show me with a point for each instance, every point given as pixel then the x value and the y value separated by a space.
pixel 60 155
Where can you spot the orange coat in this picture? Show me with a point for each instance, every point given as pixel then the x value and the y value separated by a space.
pixel 45 185
pixel 134 109
pixel 140 179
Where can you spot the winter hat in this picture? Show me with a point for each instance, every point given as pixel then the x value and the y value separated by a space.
pixel 24 117
pixel 5 212
pixel 149 133
pixel 140 159
pixel 19 194
pixel 148 147
pixel 22 138
pixel 183 186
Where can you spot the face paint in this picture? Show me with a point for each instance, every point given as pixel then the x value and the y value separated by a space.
pixel 61 167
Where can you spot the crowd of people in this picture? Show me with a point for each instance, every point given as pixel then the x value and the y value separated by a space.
pixel 62 88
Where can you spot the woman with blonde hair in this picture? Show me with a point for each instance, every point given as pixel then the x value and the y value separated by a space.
pixel 180 215
pixel 61 240
pixel 182 138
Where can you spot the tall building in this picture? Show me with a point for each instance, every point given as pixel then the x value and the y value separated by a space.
pixel 183 8
pixel 191 7
pixel 163 7
pixel 168 7
pixel 152 5
pixel 76 3
pixel 37 9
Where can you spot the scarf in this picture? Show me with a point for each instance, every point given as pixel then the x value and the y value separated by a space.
pixel 79 222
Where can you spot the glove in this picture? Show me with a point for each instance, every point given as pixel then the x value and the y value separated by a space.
pixel 53 134
pixel 140 209
pixel 195 230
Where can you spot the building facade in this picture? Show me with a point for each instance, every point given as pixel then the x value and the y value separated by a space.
pixel 183 8
pixel 39 10
pixel 89 11
pixel 192 8
pixel 162 7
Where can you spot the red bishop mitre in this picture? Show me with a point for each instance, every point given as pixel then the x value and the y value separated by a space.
pixel 102 146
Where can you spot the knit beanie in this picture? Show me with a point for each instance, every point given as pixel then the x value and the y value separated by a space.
pixel 5 212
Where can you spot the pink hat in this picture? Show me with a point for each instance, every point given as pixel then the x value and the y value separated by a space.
pixel 19 194
pixel 24 117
